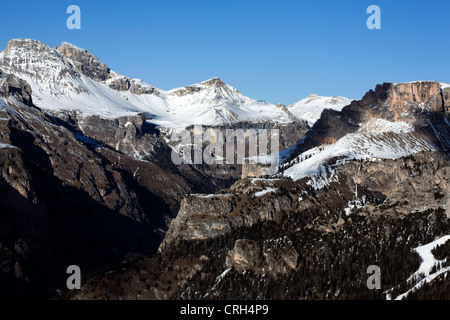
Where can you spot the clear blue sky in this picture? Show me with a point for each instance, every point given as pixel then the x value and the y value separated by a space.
pixel 278 51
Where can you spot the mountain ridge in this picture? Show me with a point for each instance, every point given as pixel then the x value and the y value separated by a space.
pixel 75 73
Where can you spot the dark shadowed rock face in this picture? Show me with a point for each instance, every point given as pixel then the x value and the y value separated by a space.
pixel 333 125
pixel 11 86
pixel 446 97
pixel 64 199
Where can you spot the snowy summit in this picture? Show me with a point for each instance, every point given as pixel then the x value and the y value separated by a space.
pixel 71 78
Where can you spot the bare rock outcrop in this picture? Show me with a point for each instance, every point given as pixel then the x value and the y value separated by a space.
pixel 276 256
pixel 446 100
pixel 246 255
pixel 89 65
pixel 85 62
pixel 208 216
pixel 421 192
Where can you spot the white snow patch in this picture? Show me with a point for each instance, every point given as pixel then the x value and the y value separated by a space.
pixel 378 139
pixel 263 192
pixel 5 145
pixel 355 204
pixel 213 195
pixel 423 274
pixel 222 275
pixel 311 107
pixel 254 180
pixel 217 281
pixel 381 126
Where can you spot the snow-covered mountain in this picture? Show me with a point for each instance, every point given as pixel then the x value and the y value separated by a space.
pixel 71 78
pixel 394 121
pixel 312 106
pixel 214 102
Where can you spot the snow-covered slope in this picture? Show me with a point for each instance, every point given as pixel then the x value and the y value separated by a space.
pixel 312 106
pixel 58 84
pixel 377 139
pixel 425 273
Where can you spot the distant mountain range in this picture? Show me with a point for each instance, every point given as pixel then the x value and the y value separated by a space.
pixel 71 78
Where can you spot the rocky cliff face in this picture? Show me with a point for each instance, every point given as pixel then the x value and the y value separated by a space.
pixel 63 203
pixel 85 62
pixel 11 86
pixel 122 134
pixel 28 58
pixel 417 103
pixel 446 98
pixel 276 257
pixel 89 65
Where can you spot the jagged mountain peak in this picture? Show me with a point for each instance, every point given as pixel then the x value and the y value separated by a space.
pixel 85 62
pixel 89 65
pixel 214 102
pixel 37 63
pixel 28 44
pixel 407 102
pixel 213 82
pixel 71 47
pixel 57 68
pixel 30 52
pixel 69 77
